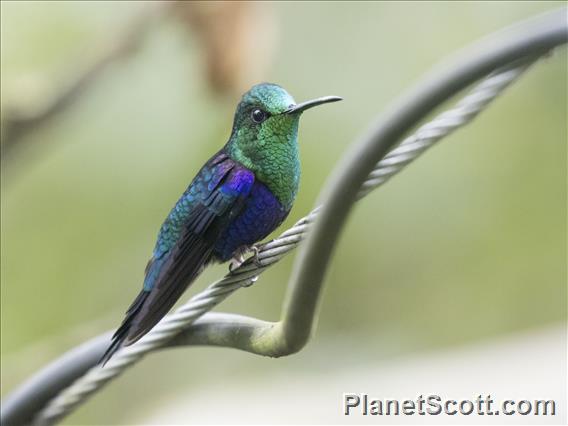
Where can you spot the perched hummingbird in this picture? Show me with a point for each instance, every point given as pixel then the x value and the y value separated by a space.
pixel 239 196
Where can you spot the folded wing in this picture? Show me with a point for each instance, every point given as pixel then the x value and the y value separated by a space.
pixel 185 244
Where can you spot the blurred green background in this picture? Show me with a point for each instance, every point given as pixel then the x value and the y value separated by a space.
pixel 467 244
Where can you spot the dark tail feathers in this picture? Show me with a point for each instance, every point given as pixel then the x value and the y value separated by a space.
pixel 122 332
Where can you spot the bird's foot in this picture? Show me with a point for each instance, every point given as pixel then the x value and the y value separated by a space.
pixel 239 257
pixel 237 260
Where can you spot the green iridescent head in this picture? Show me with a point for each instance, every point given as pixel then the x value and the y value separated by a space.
pixel 265 137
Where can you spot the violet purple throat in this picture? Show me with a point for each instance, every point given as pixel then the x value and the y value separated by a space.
pixel 243 193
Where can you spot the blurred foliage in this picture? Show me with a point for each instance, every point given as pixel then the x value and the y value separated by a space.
pixel 467 243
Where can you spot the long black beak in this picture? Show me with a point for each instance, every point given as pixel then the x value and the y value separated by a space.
pixel 309 104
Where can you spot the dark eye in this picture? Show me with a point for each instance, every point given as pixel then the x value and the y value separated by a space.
pixel 258 115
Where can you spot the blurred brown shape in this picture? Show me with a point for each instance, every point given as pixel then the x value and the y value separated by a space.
pixel 237 40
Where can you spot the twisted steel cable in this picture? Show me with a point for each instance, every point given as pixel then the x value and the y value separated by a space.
pixel 272 252
pixel 443 125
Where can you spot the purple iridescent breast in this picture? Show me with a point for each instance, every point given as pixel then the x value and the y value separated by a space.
pixel 261 214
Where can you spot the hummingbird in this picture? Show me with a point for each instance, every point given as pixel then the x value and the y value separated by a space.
pixel 242 194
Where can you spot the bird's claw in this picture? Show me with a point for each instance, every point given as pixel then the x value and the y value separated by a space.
pixel 255 249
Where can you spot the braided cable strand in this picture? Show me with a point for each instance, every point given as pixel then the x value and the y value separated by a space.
pixel 272 252
pixel 443 125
